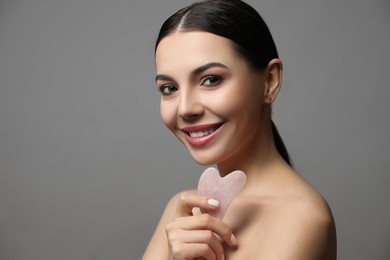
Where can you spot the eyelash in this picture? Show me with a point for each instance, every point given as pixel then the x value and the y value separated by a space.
pixel 213 84
pixel 165 87
pixel 173 88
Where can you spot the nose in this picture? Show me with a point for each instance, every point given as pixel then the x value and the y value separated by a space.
pixel 190 106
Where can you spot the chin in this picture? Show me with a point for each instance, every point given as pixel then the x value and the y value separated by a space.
pixel 204 158
pixel 203 161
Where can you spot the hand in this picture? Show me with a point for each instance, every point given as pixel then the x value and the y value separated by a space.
pixel 191 236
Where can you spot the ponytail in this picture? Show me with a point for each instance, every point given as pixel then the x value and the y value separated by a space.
pixel 280 144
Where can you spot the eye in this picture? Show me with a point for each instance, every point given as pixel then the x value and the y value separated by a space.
pixel 212 81
pixel 167 90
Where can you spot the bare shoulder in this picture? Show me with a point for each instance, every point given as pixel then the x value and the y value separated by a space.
pixel 304 228
pixel 288 220
pixel 300 224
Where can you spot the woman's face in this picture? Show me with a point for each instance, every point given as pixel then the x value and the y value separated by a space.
pixel 210 98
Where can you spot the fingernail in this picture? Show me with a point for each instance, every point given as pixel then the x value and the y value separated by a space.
pixel 213 203
pixel 233 239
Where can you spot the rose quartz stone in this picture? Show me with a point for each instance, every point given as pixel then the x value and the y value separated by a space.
pixel 223 189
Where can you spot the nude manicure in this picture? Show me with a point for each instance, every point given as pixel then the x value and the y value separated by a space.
pixel 213 203
pixel 233 239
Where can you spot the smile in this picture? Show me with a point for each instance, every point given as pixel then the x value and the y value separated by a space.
pixel 202 134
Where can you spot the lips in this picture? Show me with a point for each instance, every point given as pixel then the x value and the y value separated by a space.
pixel 202 134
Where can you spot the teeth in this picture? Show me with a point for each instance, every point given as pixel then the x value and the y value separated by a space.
pixel 202 133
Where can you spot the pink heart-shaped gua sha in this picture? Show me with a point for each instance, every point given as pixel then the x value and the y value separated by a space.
pixel 223 189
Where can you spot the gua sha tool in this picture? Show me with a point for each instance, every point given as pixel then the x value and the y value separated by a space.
pixel 223 189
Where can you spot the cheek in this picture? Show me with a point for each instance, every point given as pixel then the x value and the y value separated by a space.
pixel 168 115
pixel 243 100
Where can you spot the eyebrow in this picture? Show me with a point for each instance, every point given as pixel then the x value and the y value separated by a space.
pixel 195 72
pixel 163 77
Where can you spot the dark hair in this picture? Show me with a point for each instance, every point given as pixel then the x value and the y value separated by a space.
pixel 238 22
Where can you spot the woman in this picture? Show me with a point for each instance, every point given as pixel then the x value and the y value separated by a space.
pixel 218 72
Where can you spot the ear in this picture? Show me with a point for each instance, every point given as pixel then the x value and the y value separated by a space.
pixel 273 80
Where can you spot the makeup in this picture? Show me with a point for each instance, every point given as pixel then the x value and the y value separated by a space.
pixel 203 134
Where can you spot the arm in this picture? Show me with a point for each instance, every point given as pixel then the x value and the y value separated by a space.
pixel 158 245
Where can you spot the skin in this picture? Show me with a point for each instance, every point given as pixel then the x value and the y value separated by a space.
pixel 277 215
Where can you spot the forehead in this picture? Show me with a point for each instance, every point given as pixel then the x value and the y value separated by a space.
pixel 187 50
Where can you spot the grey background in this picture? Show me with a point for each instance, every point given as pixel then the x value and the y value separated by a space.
pixel 86 165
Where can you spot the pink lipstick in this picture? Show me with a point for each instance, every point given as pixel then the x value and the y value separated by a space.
pixel 201 135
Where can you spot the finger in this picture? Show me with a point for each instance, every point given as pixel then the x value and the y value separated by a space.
pixel 188 201
pixel 197 237
pixel 206 222
pixel 192 251
pixel 201 250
